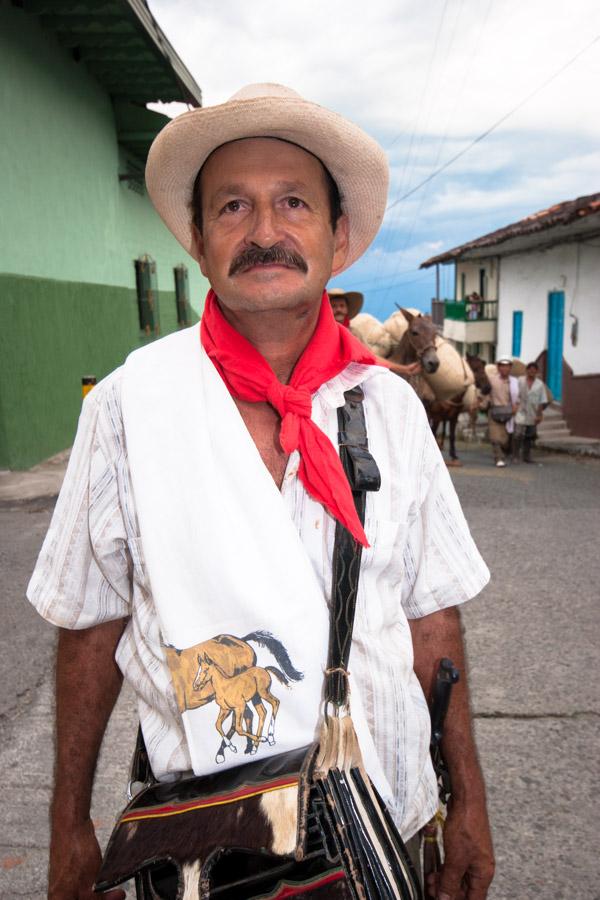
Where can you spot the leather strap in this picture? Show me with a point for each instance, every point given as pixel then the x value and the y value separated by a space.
pixel 363 474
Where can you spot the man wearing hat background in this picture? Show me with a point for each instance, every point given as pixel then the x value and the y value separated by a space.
pixel 345 305
pixel 204 487
pixel 503 404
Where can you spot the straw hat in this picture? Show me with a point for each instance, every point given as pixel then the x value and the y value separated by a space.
pixel 356 162
pixel 505 359
pixel 354 299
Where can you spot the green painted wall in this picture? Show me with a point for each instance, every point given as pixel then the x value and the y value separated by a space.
pixel 69 234
pixel 68 330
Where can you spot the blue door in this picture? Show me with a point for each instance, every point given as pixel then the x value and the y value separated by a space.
pixel 517 332
pixel 556 326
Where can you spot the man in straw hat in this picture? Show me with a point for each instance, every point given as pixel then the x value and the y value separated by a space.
pixel 503 404
pixel 205 484
pixel 345 304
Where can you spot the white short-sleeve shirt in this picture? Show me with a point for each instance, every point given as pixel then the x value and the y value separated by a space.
pixel 421 559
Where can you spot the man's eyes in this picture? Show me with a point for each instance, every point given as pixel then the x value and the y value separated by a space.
pixel 232 206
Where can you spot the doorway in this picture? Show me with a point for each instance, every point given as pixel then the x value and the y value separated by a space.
pixel 556 327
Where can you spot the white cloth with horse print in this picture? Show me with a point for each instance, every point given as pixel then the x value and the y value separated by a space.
pixel 243 619
pixel 95 565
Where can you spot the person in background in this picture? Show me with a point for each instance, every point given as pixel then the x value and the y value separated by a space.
pixel 345 304
pixel 532 401
pixel 503 404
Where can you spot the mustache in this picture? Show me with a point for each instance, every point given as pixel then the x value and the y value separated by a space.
pixel 255 256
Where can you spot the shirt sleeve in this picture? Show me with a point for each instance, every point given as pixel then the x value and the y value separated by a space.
pixel 442 564
pixel 83 573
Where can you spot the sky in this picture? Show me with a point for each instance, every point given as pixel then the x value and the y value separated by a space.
pixel 425 78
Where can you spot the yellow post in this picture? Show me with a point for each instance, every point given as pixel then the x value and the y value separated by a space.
pixel 87 383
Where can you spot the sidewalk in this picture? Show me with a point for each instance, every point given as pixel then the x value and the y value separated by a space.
pixel 42 481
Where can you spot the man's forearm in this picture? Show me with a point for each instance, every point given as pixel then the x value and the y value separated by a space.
pixel 88 682
pixel 435 637
pixel 468 854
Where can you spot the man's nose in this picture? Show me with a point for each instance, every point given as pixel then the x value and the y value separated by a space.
pixel 264 229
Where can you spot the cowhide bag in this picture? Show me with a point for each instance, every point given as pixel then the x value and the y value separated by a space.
pixel 303 823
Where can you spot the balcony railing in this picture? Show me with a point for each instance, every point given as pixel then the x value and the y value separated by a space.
pixel 471 310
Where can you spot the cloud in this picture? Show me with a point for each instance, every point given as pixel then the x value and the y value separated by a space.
pixel 424 77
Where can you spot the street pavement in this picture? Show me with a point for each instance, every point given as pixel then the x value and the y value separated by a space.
pixel 532 646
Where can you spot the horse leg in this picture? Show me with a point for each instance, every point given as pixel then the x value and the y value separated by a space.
pixel 452 430
pixel 262 715
pixel 248 719
pixel 272 699
pixel 225 711
pixel 239 725
pixel 220 757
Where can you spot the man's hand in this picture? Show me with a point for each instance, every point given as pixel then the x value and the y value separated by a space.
pixel 88 682
pixel 405 370
pixel 74 863
pixel 468 855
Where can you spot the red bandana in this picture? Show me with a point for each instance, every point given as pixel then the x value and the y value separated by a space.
pixel 248 376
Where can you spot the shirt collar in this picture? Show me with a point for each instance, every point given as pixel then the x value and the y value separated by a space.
pixel 332 391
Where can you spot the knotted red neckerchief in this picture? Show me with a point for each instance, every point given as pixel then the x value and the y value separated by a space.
pixel 248 376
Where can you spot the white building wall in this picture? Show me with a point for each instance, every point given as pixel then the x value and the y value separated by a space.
pixel 524 283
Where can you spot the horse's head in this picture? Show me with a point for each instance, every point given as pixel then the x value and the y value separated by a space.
pixel 482 382
pixel 421 335
pixel 204 672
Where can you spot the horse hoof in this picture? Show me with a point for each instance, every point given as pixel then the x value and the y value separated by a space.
pixel 271 740
pixel 220 758
pixel 233 748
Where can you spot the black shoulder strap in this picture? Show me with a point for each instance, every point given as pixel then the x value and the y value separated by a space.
pixel 363 475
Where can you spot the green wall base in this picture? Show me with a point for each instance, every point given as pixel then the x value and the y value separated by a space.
pixel 51 334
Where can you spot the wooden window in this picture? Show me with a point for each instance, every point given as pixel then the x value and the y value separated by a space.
pixel 182 296
pixel 147 294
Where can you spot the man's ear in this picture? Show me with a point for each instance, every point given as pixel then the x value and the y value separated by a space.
pixel 198 249
pixel 341 245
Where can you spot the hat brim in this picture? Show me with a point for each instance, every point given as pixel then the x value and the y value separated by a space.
pixel 355 161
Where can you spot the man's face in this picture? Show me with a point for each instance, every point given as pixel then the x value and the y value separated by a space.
pixel 532 372
pixel 339 307
pixel 504 369
pixel 258 194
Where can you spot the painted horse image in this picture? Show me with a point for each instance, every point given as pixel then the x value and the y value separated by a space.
pixel 233 696
pixel 233 656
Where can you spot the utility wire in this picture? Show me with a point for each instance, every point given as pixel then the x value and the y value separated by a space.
pixel 493 127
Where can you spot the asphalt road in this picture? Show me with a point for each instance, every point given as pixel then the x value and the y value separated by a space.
pixel 532 645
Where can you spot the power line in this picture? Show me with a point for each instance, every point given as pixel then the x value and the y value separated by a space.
pixel 493 127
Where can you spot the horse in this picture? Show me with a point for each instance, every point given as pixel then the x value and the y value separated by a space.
pixel 232 694
pixel 417 344
pixel 233 655
pixel 448 411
